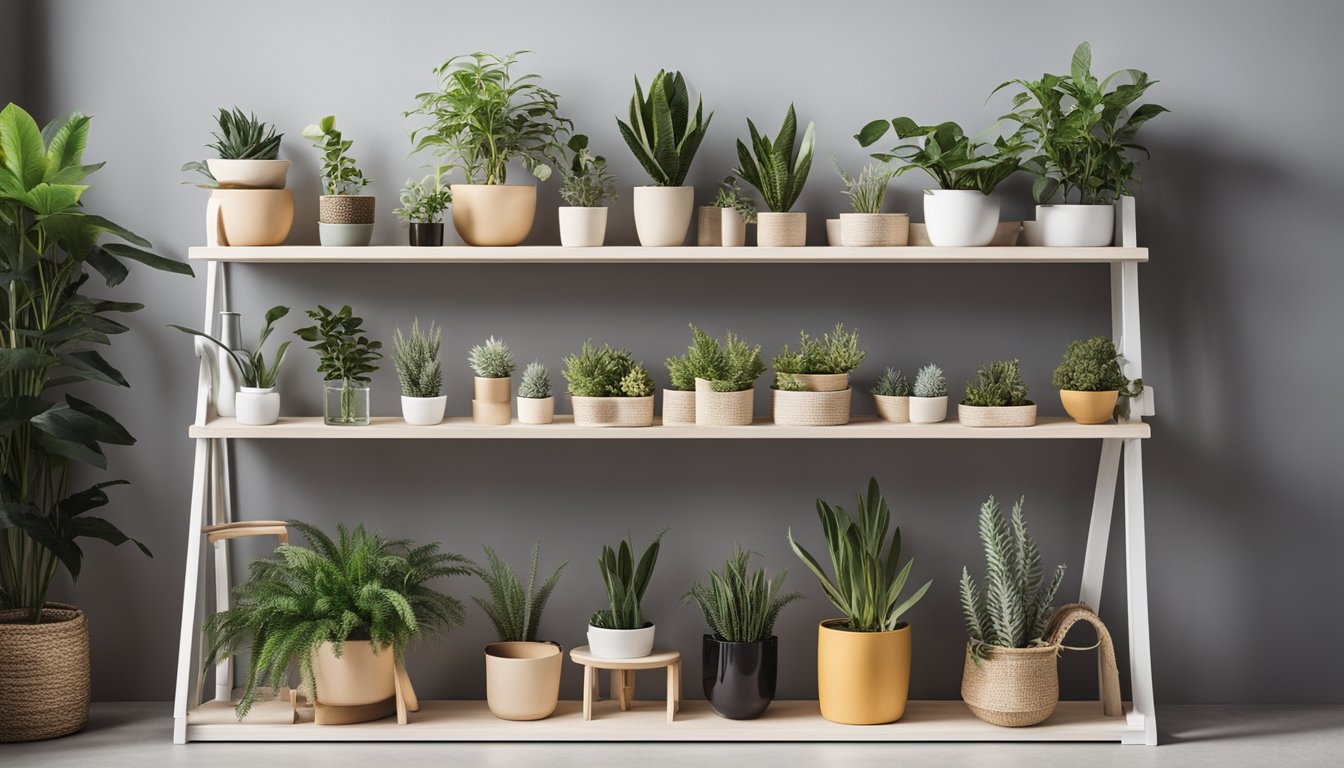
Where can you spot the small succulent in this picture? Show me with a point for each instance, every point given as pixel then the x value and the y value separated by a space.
pixel 930 382
pixel 244 137
pixel 998 384
pixel 637 383
pixel 892 383
pixel 492 360
pixel 536 382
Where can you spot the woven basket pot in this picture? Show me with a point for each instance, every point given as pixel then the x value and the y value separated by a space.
pixel 810 409
pixel 345 209
pixel 866 230
pixel 536 410
pixel 822 382
pixel 709 226
pixel 44 673
pixel 722 409
pixel 998 416
pixel 893 409
pixel 1089 407
pixel 612 411
pixel 781 230
pixel 678 407
pixel 1013 687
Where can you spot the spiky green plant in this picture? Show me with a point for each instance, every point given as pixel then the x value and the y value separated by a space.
pixel 625 583
pixel 741 605
pixel 515 612
pixel 892 383
pixel 867 584
pixel 997 384
pixel 779 168
pixel 661 133
pixel 680 375
pixel 867 190
pixel 340 172
pixel 492 360
pixel 732 365
pixel 239 137
pixel 730 195
pixel 637 382
pixel 835 352
pixel 606 372
pixel 536 382
pixel 361 586
pixel 930 382
pixel 1015 605
pixel 416 357
pixel 252 368
pixel 786 382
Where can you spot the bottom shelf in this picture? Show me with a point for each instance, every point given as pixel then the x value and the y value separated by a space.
pixel 646 721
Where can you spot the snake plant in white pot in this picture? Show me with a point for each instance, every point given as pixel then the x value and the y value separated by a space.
pixel 620 631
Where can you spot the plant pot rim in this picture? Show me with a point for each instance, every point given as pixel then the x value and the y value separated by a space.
pixel 413 397
pixel 664 186
pixel 466 184
pixel 964 191
pixel 1076 205
pixel 711 391
pixel 612 397
pixel 58 611
pixel 831 625
pixel 935 397
pixel 1032 650
pixel 497 643
pixel 1090 391
pixel 584 207
pixel 425 223
pixel 879 213
pixel 770 639
pixel 347 195
pixel 647 625
pixel 340 383
pixel 538 399
pixel 493 378
pixel 964 404
pixel 256 390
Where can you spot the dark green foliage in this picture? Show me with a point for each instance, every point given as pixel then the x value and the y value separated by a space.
pixel 661 133
pixel 515 611
pixel 587 183
pixel 340 174
pixel 344 352
pixel 240 137
pixel 779 169
pixel 1093 365
pixel 835 352
pixel 741 605
pixel 625 584
pixel 945 152
pixel 730 366
pixel 605 372
pixel 892 383
pixel 997 384
pixel 252 368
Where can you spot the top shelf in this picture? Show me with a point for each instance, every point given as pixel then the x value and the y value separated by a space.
pixel 634 254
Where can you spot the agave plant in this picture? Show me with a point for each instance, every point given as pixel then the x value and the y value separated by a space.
pixel 252 367
pixel 515 612
pixel 625 584
pixel 661 133
pixel 779 169
pixel 741 605
pixel 240 137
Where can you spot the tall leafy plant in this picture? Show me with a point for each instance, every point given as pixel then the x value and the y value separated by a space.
pixel 661 133
pixel 252 367
pixel 740 605
pixel 340 173
pixel 944 151
pixel 625 583
pixel 778 169
pixel 345 353
pixel 514 610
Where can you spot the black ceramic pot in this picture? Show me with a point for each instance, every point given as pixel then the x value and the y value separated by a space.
pixel 740 677
pixel 427 234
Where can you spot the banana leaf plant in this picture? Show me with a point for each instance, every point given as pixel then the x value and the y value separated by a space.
pixel 50 247
pixel 625 583
pixel 661 133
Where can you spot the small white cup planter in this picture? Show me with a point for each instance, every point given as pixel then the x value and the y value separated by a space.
pixel 678 407
pixel 732 229
pixel 257 407
pixel 536 410
pixel 620 643
pixel 781 230
pixel 1077 226
pixel 663 214
pixel 612 411
pixel 868 230
pixel 582 227
pixel 423 411
pixel 996 416
pixel 833 232
pixel 928 410
pixel 960 218
pixel 709 226
pixel 895 409
pixel 722 409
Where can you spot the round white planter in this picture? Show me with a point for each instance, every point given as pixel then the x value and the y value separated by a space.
pixel 1077 226
pixel 536 410
pixel 257 407
pixel 582 227
pixel 620 643
pixel 423 411
pixel 960 218
pixel 663 214
pixel 249 174
pixel 928 410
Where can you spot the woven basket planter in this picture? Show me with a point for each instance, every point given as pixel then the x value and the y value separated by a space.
pixel 893 409
pixel 822 382
pixel 345 209
pixel 536 410
pixel 723 409
pixel 810 409
pixel 781 230
pixel 44 673
pixel 678 407
pixel 613 411
pixel 1012 687
pixel 867 230
pixel 998 416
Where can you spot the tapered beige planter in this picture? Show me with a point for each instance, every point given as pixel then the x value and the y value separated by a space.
pixel 612 411
pixel 678 407
pixel 248 217
pixel 1089 407
pixel 357 677
pixel 663 214
pixel 870 230
pixel 491 404
pixel 781 230
pixel 582 227
pixel 494 214
pixel 892 408
pixel 522 680
pixel 536 410
pixel 722 409
pixel 997 416
pixel 709 226
pixel 810 409
pixel 732 228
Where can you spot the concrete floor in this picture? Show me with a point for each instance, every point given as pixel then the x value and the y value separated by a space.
pixel 139 735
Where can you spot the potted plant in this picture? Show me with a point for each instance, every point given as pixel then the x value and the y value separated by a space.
pixel 664 138
pixel 536 404
pixel 587 187
pixel 422 207
pixel 620 631
pixel 249 204
pixel 736 211
pixel 997 398
pixel 522 675
pixel 493 364
pixel 867 225
pixel 1090 381
pixel 256 403
pixel 928 398
pixel 1010 675
pixel 892 395
pixel 679 395
pixel 778 170
pixel 54 245
pixel 342 610
pixel 481 117
pixel 812 383
pixel 344 217
pixel 725 379
pixel 740 653
pixel 608 388
pixel 416 357
pixel 1081 133
pixel 961 212
pixel 346 356
pixel 863 658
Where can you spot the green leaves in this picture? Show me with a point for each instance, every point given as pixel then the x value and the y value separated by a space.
pixel 1093 365
pixel 778 170
pixel 587 183
pixel 946 153
pixel 492 360
pixel 416 357
pixel 22 151
pixel 514 611
pixel 344 352
pixel 997 384
pixel 834 352
pixel 732 365
pixel 741 605
pixel 625 583
pixel 661 133
pixel 244 137
pixel 340 174
pixel 594 372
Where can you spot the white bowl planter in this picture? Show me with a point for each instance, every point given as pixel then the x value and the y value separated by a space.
pixel 781 230
pixel 895 409
pixel 928 410
pixel 960 218
pixel 536 410
pixel 709 226
pixel 663 214
pixel 722 409
pixel 732 229
pixel 620 643
pixel 249 174
pixel 1078 226
pixel 423 411
pixel 582 227
pixel 257 407
pixel 678 407
pixel 868 230
pixel 612 411
pixel 996 416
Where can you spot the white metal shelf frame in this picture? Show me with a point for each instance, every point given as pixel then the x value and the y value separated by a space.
pixel 210 500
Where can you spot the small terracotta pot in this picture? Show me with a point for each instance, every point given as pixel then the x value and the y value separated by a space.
pixel 346 209
pixel 1089 407
pixel 536 410
pixel 249 217
pixel 493 390
pixel 494 214
pixel 996 416
pixel 522 679
pixel 709 226
pixel 867 230
pixel 863 678
pixel 781 230
pixel 359 676
pixel 892 408
pixel 678 407
pixel 612 411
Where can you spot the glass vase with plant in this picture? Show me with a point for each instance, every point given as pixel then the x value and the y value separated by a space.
pixel 346 356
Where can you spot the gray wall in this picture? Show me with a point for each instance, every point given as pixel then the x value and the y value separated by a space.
pixel 1241 317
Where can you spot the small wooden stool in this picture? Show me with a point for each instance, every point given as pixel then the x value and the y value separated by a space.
pixel 623 677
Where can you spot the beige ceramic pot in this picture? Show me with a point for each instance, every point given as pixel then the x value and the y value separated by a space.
pixel 536 410
pixel 722 409
pixel 996 416
pixel 248 217
pixel 249 174
pixel 892 408
pixel 732 229
pixel 1089 407
pixel 863 678
pixel 781 230
pixel 490 413
pixel 522 680
pixel 494 214
pixel 493 390
pixel 359 676
pixel 678 407
pixel 612 411
pixel 868 230
pixel 709 226
pixel 44 674
pixel 663 214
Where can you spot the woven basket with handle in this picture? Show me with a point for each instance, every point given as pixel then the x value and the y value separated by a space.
pixel 44 673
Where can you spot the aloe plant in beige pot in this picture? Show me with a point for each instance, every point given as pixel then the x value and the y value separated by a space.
pixel 778 169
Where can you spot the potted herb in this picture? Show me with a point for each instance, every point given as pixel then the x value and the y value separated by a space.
pixel 736 211
pixel 679 396
pixel 812 382
pixel 342 610
pixel 725 379
pixel 892 395
pixel 961 212
pixel 867 225
pixel 346 356
pixel 481 117
pixel 248 202
pixel 493 364
pixel 422 207
pixel 1081 134
pixel 607 388
pixel 664 138
pixel 536 404
pixel 522 675
pixel 928 398
pixel 256 403
pixel 587 187
pixel 863 658
pixel 620 630
pixel 997 398
pixel 778 170
pixel 740 653
pixel 344 217
pixel 416 357
pixel 1090 381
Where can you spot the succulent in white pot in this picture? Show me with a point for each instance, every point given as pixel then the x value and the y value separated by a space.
pixel 928 397
pixel 663 209
pixel 344 217
pixel 248 151
pixel 416 356
pixel 536 404
pixel 256 402
pixel 778 170
pixel 621 631
pixel 587 187
pixel 892 395
pixel 493 386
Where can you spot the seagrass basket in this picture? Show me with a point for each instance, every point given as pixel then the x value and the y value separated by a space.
pixel 722 409
pixel 44 673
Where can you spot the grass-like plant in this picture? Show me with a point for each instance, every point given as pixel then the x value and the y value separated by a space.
pixel 869 188
pixel 359 586
pixel 535 383
pixel 834 352
pixel 1014 605
pixel 251 366
pixel 345 353
pixel 492 360
pixel 867 584
pixel 892 383
pixel 1093 365
pixel 661 133
pixel 423 203
pixel 730 195
pixel 946 153
pixel 515 611
pixel 997 384
pixel 340 173
pixel 740 605
pixel 587 183
pixel 625 583
pixel 606 372
pixel 732 365
pixel 239 137
pixel 416 357
pixel 778 169
pixel 930 382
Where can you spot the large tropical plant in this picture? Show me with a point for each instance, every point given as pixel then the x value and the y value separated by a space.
pixel 779 168
pixel 661 133
pixel 50 246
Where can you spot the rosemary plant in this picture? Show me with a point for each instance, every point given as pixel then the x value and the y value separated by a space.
pixel 835 352
pixel 416 357
pixel 997 384
pixel 730 366
pixel 741 605
pixel 515 611
pixel 606 372
pixel 892 383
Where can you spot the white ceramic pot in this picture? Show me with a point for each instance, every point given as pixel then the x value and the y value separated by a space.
pixel 620 643
pixel 732 229
pixel 960 218
pixel 1078 226
pixel 833 235
pixel 582 227
pixel 928 410
pixel 257 407
pixel 709 226
pixel 663 214
pixel 536 410
pixel 423 411
pixel 249 174
pixel 893 408
pixel 781 230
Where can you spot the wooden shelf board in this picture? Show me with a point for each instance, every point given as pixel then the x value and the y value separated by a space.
pixel 633 254
pixel 462 427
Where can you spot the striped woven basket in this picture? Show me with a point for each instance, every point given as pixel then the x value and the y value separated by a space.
pixel 613 411
pixel 722 409
pixel 997 416
pixel 822 382
pixel 810 409
pixel 44 673
pixel 678 407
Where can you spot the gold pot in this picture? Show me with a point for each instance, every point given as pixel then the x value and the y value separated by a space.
pixel 1089 407
pixel 863 678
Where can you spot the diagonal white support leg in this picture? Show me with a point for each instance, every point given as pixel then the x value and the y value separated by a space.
pixel 1099 529
pixel 200 482
pixel 1136 586
pixel 222 512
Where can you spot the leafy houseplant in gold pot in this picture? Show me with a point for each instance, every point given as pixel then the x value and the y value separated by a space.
pixel 346 356
pixel 1090 381
pixel 54 245
pixel 928 397
pixel 997 398
pixel 778 170
pixel 536 404
pixel 249 204
pixel 863 658
pixel 493 364
pixel 736 211
pixel 522 675
pixel 725 379
pixel 256 403
pixel 664 137
pixel 607 388
pixel 422 207
pixel 420 373
pixel 812 382
pixel 480 117
pixel 620 631
pixel 344 217
pixel 587 187
pixel 866 225
pixel 892 395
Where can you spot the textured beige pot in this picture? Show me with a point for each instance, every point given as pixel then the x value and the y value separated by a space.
pixel 44 674
pixel 893 409
pixel 996 416
pixel 493 390
pixel 732 229
pixel 494 214
pixel 249 217
pixel 522 680
pixel 709 226
pixel 359 676
pixel 781 230
pixel 663 214
pixel 722 409
pixel 491 413
pixel 536 410
pixel 678 407
pixel 869 230
pixel 1089 407
pixel 1012 687
pixel 346 209
pixel 810 409
pixel 822 382
pixel 612 411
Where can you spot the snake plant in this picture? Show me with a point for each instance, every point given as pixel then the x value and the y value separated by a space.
pixel 779 169
pixel 625 583
pixel 661 133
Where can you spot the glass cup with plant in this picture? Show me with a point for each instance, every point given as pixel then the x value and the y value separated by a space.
pixel 778 170
pixel 346 356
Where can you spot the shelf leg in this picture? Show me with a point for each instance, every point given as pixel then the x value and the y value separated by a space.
pixel 199 489
pixel 1136 585
pixel 222 513
pixel 589 683
pixel 1099 529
